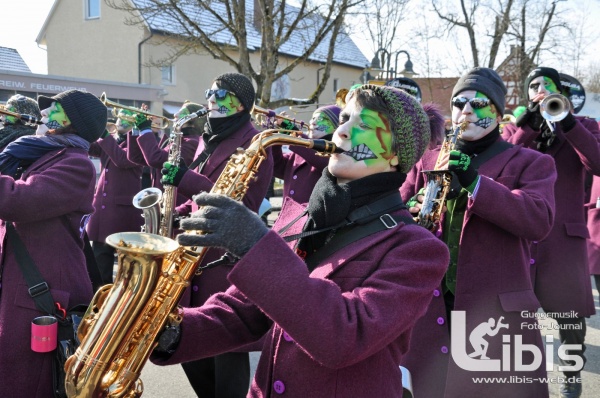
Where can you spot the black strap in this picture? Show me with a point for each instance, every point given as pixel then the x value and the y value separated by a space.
pixel 345 237
pixel 90 262
pixel 38 288
pixel 493 150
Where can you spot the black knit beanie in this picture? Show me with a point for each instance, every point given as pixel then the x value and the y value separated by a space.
pixel 24 106
pixel 406 84
pixel 241 86
pixel 86 112
pixel 546 72
pixel 486 81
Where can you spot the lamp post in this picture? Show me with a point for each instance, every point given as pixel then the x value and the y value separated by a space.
pixel 376 65
pixel 408 65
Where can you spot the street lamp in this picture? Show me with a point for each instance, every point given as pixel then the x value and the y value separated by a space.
pixel 376 65
pixel 408 65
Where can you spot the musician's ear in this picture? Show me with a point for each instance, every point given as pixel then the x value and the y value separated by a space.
pixel 394 161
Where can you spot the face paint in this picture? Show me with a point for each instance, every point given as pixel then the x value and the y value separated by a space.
pixel 7 118
pixel 53 118
pixel 183 112
pixel 541 84
pixel 366 136
pixel 482 120
pixel 320 125
pixel 122 124
pixel 223 106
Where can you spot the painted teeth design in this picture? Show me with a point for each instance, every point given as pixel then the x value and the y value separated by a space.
pixel 53 124
pixel 361 152
pixel 223 110
pixel 484 123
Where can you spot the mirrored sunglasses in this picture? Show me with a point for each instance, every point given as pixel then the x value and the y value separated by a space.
pixel 219 93
pixel 476 103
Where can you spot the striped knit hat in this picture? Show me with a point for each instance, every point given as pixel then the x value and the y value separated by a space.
pixel 332 112
pixel 409 124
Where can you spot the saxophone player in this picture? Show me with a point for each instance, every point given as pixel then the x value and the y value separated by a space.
pixel 560 273
pixel 502 199
pixel 334 304
pixel 228 127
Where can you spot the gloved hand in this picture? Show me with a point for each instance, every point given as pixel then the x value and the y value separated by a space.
pixel 414 204
pixel 568 122
pixel 460 164
pixel 227 224
pixel 172 174
pixel 531 117
pixel 142 122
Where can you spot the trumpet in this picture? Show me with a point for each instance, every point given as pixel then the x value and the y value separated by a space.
pixel 27 120
pixel 131 119
pixel 265 118
pixel 555 107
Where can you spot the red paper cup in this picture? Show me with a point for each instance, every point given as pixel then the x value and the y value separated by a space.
pixel 44 331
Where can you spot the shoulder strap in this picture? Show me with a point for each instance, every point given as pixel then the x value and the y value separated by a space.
pixel 359 231
pixel 38 288
pixel 493 150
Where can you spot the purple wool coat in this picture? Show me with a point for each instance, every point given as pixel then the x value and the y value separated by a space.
pixel 514 205
pixel 146 151
pixel 561 274
pixel 593 224
pixel 119 182
pixel 47 206
pixel 215 279
pixel 300 169
pixel 338 331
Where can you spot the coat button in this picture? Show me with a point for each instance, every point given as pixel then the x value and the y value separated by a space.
pixel 292 192
pixel 531 261
pixel 104 207
pixel 287 337
pixel 295 177
pixel 279 387
pixel 444 349
pixel 195 288
pixel 440 321
pixel 104 194
pixel 436 293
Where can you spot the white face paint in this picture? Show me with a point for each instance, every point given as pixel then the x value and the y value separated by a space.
pixel 481 121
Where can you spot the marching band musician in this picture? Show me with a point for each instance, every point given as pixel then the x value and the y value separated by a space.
pixel 12 128
pixel 331 320
pixel 46 192
pixel 559 263
pixel 145 149
pixel 502 198
pixel 118 183
pixel 300 168
pixel 228 127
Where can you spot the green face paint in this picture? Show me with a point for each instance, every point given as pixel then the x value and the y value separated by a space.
pixel 122 123
pixel 371 139
pixel 549 85
pixel 229 105
pixel 10 119
pixel 57 117
pixel 484 112
pixel 183 112
pixel 323 124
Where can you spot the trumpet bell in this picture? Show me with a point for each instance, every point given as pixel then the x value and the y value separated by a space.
pixel 555 107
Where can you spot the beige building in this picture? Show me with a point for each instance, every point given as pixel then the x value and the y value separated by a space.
pixel 86 39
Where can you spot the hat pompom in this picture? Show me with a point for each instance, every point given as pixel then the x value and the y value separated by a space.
pixel 436 124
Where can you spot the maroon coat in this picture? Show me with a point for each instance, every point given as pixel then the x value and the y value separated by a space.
pixel 340 331
pixel 593 224
pixel 514 204
pixel 146 151
pixel 47 206
pixel 214 280
pixel 300 169
pixel 118 183
pixel 562 278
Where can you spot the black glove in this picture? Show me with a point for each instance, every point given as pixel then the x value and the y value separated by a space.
pixel 460 164
pixel 168 340
pixel 226 223
pixel 531 117
pixel 172 174
pixel 568 122
pixel 142 122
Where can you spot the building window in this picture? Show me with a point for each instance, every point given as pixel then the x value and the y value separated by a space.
pixel 335 85
pixel 92 9
pixel 167 74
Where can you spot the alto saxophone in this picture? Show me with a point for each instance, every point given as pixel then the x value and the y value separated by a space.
pixel 120 327
pixel 158 206
pixel 438 184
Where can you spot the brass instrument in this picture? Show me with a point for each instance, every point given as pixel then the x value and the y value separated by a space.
pixel 438 184
pixel 27 120
pixel 119 330
pixel 131 119
pixel 266 117
pixel 555 107
pixel 148 200
pixel 340 97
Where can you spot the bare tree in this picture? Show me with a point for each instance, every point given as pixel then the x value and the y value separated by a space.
pixel 217 27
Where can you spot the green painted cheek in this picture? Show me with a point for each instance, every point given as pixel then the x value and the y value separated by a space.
pixel 58 115
pixel 228 105
pixel 10 119
pixel 483 112
pixel 325 125
pixel 550 86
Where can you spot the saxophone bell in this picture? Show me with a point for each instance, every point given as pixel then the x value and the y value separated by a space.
pixel 148 200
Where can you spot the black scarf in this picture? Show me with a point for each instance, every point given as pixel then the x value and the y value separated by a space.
pixel 546 138
pixel 215 131
pixel 474 147
pixel 330 202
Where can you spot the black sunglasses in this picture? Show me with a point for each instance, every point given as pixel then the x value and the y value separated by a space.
pixel 476 103
pixel 219 93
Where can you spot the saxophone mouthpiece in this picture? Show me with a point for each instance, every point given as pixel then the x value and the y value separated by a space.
pixel 326 147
